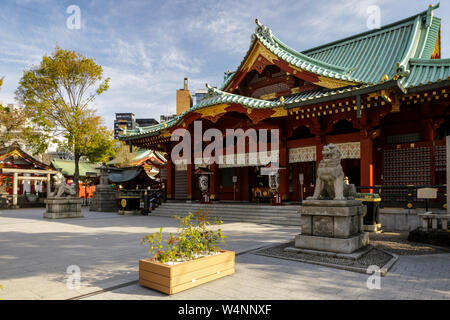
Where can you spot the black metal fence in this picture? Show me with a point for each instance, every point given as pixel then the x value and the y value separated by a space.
pixel 406 196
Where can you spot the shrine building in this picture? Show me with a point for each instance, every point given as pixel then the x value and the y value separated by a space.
pixel 381 96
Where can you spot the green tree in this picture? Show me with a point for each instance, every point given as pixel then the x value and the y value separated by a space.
pixel 57 96
pixel 15 126
pixel 123 157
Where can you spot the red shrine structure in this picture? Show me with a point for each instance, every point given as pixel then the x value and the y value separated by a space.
pixel 21 177
pixel 381 96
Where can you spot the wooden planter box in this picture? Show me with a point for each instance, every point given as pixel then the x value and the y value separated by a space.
pixel 175 278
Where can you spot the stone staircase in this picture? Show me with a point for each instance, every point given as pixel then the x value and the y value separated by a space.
pixel 239 212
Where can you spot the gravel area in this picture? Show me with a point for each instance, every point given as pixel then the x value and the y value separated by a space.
pixel 392 242
pixel 397 242
pixel 373 257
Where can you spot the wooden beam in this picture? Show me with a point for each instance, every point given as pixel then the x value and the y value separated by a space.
pixel 32 178
pixel 13 170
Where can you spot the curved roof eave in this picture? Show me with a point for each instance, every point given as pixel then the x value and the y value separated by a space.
pixel 215 97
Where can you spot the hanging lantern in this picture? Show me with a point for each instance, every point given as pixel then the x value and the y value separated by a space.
pixel 203 182
pixel 274 181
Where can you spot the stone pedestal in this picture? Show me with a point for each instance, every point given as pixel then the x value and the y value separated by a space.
pixel 59 208
pixel 104 199
pixel 332 225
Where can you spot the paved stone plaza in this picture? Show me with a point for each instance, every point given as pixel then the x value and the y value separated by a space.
pixel 35 254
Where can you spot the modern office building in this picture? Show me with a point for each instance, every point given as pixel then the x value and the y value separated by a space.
pixel 124 121
pixel 164 118
pixel 145 122
pixel 200 95
pixel 127 121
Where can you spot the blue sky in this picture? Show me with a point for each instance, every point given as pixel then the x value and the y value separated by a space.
pixel 148 47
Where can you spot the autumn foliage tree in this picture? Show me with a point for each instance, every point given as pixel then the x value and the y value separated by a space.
pixel 57 97
pixel 124 157
pixel 15 126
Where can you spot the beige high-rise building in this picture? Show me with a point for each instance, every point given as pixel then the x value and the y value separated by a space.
pixel 184 98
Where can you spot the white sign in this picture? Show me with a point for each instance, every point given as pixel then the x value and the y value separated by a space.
pixel 301 177
pixel 427 193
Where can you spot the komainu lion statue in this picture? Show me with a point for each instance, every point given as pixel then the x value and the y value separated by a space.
pixel 330 177
pixel 61 187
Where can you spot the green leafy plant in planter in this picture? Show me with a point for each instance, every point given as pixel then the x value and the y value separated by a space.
pixel 197 236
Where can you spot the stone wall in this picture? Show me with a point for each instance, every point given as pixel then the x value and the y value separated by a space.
pixel 399 219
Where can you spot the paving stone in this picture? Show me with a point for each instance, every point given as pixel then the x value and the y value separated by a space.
pixel 35 254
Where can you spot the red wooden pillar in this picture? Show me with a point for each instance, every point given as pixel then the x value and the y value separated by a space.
pixel 190 180
pixel 170 179
pixel 284 172
pixel 427 130
pixel 214 182
pixel 32 185
pixel 366 162
pixel 245 185
pixel 319 146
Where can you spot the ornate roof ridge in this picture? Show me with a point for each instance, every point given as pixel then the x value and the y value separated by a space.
pixel 433 62
pixel 265 32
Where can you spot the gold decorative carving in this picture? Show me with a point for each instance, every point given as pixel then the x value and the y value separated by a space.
pixel 213 110
pixel 279 112
pixel 268 96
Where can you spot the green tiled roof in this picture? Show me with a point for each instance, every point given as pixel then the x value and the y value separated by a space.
pixel 140 154
pixel 215 97
pixel 426 71
pixel 67 167
pixel 136 156
pixel 365 57
pixel 383 51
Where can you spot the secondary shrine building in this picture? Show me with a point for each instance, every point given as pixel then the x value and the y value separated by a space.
pixel 381 96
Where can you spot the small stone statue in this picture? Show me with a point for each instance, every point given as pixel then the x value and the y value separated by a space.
pixel 330 177
pixel 61 187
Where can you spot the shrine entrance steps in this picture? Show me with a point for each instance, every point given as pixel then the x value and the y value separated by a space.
pixel 239 212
